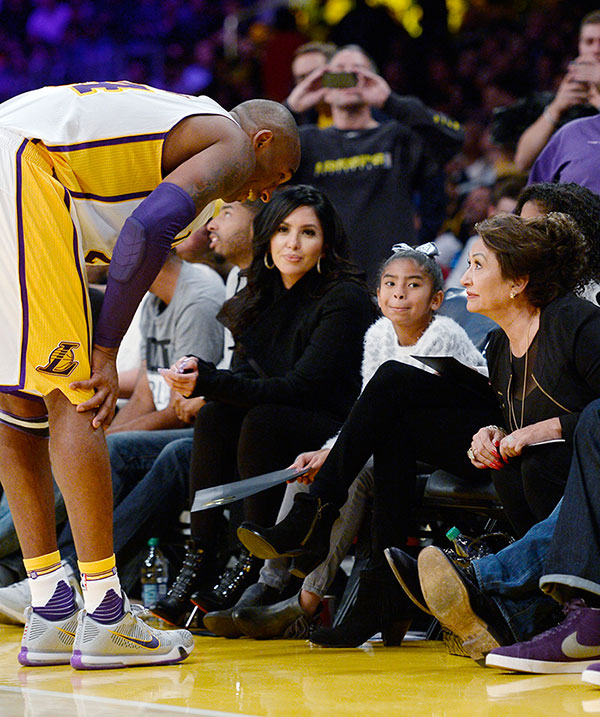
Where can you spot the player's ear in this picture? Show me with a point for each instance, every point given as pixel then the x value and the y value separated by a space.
pixel 262 138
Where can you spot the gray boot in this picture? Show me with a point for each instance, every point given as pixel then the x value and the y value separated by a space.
pixel 221 622
pixel 285 619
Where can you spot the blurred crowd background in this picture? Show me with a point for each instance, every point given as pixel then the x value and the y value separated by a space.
pixel 464 58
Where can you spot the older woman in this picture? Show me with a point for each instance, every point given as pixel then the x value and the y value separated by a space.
pixel 544 360
pixel 298 328
pixel 405 415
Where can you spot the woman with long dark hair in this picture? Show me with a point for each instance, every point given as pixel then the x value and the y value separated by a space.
pixel 298 327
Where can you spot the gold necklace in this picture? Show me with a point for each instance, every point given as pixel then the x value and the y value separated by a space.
pixel 511 404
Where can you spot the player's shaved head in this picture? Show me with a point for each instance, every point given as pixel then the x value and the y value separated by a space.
pixel 254 115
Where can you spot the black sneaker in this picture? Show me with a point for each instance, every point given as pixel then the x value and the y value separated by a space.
pixel 231 584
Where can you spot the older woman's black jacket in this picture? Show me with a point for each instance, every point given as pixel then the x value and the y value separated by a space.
pixel 567 364
pixel 304 349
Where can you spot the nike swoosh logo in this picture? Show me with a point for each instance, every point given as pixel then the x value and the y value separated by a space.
pixel 572 648
pixel 67 632
pixel 151 644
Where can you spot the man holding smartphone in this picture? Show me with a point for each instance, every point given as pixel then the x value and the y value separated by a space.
pixel 372 170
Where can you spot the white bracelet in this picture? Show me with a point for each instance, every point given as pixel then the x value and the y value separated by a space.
pixel 549 118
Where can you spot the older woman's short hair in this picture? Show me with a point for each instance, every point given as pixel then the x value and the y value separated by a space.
pixel 550 250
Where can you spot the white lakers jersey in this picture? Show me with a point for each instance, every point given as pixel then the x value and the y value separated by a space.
pixel 103 142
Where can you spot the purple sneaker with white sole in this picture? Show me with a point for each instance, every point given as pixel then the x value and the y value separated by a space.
pixel 572 646
pixel 591 674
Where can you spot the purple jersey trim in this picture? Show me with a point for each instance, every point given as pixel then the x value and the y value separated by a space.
pixel 84 292
pixel 106 142
pixel 21 242
pixel 111 198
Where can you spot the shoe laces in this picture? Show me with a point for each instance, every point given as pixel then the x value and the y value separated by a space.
pixel 571 610
pixel 233 575
pixel 187 574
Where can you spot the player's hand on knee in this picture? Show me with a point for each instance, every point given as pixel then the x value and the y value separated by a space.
pixel 105 384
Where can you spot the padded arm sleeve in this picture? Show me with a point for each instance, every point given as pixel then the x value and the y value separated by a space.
pixel 141 250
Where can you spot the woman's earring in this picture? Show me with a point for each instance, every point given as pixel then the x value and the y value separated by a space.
pixel 319 265
pixel 267 262
pixel 512 294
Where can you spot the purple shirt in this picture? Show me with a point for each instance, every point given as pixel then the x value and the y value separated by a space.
pixel 571 155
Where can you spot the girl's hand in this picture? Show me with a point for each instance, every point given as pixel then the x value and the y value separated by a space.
pixel 313 460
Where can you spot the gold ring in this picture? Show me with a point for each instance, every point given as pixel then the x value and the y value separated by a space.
pixel 471 454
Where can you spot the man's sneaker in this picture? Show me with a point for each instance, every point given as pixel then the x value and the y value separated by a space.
pixel 454 597
pixel 16 597
pixel 571 646
pixel 47 642
pixel 128 642
pixel 591 674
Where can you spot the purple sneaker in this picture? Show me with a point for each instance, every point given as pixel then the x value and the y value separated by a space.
pixel 571 646
pixel 591 674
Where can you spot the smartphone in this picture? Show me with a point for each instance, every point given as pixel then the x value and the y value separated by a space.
pixel 339 79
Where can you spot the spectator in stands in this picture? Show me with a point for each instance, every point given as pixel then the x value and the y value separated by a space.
pixel 370 170
pixel 309 57
pixel 521 274
pixel 580 86
pixel 409 293
pixel 298 326
pixel 503 199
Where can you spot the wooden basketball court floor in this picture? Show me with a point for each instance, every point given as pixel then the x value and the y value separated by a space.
pixel 283 678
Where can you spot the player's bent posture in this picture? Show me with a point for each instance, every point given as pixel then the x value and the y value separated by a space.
pixel 85 168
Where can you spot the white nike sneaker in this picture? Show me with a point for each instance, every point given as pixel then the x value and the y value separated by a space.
pixel 47 642
pixel 128 642
pixel 16 597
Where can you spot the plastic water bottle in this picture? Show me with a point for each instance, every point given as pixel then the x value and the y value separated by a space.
pixel 466 546
pixel 154 575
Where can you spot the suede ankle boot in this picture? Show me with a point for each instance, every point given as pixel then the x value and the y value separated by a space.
pixel 305 529
pixel 381 606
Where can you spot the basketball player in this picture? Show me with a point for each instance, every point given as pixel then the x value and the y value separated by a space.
pixel 88 171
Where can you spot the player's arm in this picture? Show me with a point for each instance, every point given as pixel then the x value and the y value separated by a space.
pixel 217 169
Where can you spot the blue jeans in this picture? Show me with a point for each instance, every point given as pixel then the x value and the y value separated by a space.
pixel 150 471
pixel 511 578
pixel 572 564
pixel 560 554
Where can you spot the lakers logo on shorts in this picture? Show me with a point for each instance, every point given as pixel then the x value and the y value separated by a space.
pixel 62 360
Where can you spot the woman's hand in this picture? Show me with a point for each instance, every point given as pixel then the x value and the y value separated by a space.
pixel 313 460
pixel 512 445
pixel 182 375
pixel 484 451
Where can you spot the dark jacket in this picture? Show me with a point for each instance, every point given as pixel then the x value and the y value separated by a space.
pixel 567 364
pixel 304 350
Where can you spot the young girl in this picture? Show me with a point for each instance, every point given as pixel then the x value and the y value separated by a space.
pixel 409 293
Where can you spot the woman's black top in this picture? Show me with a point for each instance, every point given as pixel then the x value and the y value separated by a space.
pixel 563 371
pixel 304 349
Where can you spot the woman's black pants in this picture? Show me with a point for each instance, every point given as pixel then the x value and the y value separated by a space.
pixel 404 415
pixel 232 443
